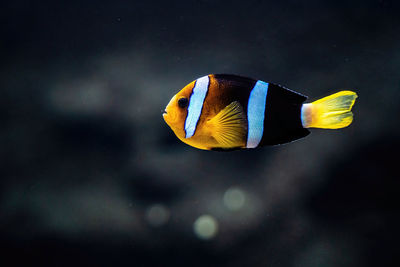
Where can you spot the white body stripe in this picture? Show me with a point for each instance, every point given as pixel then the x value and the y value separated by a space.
pixel 306 113
pixel 196 105
pixel 255 114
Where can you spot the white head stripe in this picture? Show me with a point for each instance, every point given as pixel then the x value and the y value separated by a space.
pixel 196 105
pixel 255 114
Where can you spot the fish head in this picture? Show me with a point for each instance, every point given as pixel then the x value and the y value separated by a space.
pixel 176 111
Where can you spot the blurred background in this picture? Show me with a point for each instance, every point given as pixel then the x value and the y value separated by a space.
pixel 91 175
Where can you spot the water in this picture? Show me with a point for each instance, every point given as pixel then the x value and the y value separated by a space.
pixel 92 174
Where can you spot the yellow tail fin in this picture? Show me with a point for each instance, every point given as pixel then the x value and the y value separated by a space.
pixel 331 112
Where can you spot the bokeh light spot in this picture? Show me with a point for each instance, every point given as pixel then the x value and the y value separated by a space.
pixel 234 198
pixel 206 227
pixel 157 215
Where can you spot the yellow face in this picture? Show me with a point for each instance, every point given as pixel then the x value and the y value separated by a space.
pixel 176 111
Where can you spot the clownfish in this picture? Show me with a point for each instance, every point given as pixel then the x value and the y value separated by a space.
pixel 229 112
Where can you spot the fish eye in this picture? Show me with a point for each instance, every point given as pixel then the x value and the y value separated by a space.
pixel 183 102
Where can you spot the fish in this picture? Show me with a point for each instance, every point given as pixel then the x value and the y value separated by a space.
pixel 226 112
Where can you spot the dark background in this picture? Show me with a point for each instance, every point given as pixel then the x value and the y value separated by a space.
pixel 85 154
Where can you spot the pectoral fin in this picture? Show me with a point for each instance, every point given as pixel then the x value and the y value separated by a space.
pixel 229 126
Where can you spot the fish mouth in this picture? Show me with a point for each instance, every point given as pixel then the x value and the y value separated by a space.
pixel 165 114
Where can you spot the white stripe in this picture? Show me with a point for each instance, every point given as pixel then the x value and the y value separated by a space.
pixel 196 105
pixel 255 114
pixel 306 115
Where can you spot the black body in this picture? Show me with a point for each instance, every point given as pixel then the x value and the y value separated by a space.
pixel 282 119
